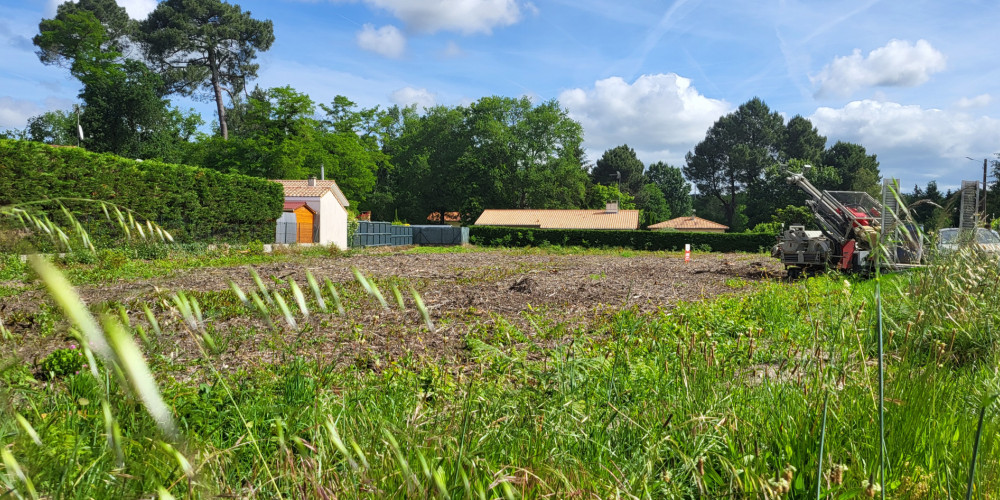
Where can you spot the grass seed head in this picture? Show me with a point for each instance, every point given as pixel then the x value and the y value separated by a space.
pixel 788 473
pixel 871 488
pixel 836 474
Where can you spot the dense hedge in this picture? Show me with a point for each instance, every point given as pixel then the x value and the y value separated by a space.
pixel 194 204
pixel 640 240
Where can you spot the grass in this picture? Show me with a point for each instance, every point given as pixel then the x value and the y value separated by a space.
pixel 723 398
pixel 152 260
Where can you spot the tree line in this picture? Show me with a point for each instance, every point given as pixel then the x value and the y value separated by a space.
pixel 398 162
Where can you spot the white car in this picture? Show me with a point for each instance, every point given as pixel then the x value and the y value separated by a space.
pixel 950 239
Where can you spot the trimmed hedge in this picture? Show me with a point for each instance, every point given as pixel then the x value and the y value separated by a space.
pixel 194 204
pixel 639 240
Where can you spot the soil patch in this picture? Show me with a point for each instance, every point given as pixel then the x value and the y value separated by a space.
pixel 481 293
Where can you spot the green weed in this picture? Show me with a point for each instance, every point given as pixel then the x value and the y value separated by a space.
pixel 770 394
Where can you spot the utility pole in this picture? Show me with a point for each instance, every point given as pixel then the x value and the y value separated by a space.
pixel 984 188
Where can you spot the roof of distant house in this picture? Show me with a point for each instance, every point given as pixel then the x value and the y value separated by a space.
pixel 448 217
pixel 291 206
pixel 688 222
pixel 301 188
pixel 561 219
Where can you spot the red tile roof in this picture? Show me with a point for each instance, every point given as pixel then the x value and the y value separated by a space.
pixel 561 219
pixel 688 222
pixel 448 217
pixel 290 206
pixel 301 188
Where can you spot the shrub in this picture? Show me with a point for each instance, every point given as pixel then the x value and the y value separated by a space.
pixel 255 247
pixel 80 256
pixel 149 250
pixel 192 203
pixel 639 240
pixel 62 362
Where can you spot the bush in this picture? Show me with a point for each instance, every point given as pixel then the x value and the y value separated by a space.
pixel 62 362
pixel 255 247
pixel 639 240
pixel 149 250
pixel 194 204
pixel 111 258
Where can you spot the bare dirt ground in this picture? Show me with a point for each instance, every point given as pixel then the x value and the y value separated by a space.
pixel 482 292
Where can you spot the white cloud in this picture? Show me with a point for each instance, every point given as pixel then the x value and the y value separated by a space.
pixel 14 113
pixel 453 50
pixel 407 96
pixel 137 9
pixel 898 64
pixel 660 116
pixel 464 16
pixel 889 128
pixel 387 40
pixel 980 101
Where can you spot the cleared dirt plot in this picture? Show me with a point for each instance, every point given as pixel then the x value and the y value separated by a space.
pixel 534 373
pixel 490 290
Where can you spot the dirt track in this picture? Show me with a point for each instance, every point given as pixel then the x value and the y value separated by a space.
pixel 461 290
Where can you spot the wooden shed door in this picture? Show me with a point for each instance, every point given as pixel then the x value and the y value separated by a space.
pixel 304 218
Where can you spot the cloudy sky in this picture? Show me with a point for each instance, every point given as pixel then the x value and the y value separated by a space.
pixel 913 81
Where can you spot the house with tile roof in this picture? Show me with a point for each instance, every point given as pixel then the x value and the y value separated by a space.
pixel 318 211
pixel 450 218
pixel 691 224
pixel 608 218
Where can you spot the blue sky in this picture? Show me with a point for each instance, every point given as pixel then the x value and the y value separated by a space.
pixel 912 81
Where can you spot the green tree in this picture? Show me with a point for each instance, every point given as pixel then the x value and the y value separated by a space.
pixel 599 195
pixel 83 33
pixel 857 169
pixel 619 160
pixel 362 132
pixel 386 130
pixel 926 204
pixel 675 189
pixel 993 190
pixel 124 110
pixel 497 152
pixel 205 44
pixel 802 141
pixel 653 203
pixel 781 194
pixel 733 157
pixel 428 176
pixel 276 135
pixel 53 127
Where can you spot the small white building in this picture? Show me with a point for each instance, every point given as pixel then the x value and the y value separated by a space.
pixel 325 218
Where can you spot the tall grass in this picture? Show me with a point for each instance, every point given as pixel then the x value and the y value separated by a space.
pixel 772 394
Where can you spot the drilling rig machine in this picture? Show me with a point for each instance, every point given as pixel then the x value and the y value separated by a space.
pixel 852 226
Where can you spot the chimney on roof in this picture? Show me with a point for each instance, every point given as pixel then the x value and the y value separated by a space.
pixel 312 180
pixel 611 207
